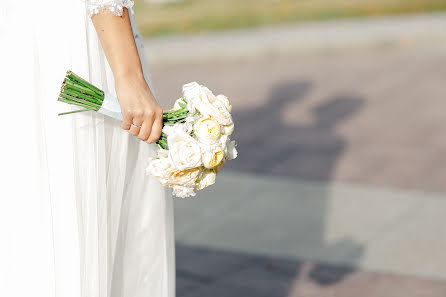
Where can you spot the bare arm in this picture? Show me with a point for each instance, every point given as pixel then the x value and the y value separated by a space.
pixel 137 101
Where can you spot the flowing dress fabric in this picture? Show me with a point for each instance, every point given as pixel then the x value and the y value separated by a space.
pixel 79 217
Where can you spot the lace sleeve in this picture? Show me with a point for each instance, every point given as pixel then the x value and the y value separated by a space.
pixel 115 6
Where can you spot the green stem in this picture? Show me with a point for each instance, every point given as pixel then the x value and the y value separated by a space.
pixel 71 85
pixel 84 83
pixel 175 112
pixel 75 111
pixel 75 101
pixel 82 96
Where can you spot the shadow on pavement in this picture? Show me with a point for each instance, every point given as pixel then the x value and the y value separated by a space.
pixel 203 272
pixel 269 146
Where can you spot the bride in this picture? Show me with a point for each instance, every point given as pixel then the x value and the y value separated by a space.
pixel 78 215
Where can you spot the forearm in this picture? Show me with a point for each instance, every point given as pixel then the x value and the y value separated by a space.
pixel 116 36
pixel 142 115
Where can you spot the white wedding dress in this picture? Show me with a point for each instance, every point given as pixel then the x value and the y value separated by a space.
pixel 78 215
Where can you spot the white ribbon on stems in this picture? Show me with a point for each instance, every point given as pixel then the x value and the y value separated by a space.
pixel 111 107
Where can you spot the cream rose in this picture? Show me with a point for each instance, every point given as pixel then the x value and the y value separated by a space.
pixel 183 177
pixel 228 129
pixel 169 176
pixel 205 179
pixel 213 157
pixel 184 150
pixel 220 166
pixel 206 103
pixel 207 130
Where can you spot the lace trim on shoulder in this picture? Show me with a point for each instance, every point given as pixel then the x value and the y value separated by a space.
pixel 115 6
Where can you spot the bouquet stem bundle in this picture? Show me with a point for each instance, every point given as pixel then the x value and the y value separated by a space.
pixel 77 91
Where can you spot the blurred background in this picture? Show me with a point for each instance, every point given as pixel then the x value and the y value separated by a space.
pixel 340 111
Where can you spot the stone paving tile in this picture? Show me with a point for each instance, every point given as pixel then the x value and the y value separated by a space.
pixel 238 274
pixel 365 284
pixel 374 117
pixel 219 290
pixel 205 266
pixel 271 277
pixel 186 284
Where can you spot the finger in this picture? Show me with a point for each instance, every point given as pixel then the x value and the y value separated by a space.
pixel 126 123
pixel 138 121
pixel 147 125
pixel 144 132
pixel 134 130
pixel 135 126
pixel 157 130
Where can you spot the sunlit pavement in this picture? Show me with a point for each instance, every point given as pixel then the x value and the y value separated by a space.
pixel 339 187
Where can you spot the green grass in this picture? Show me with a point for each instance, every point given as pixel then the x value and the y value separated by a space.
pixel 212 15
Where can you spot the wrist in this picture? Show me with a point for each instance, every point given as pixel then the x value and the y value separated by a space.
pixel 130 81
pixel 133 75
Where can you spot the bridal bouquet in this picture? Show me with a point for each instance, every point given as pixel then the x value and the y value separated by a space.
pixel 195 143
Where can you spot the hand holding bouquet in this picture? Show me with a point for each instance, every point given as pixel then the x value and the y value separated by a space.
pixel 195 143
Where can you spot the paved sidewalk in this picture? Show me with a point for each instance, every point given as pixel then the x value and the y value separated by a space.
pixel 255 235
pixel 395 31
pixel 204 272
pixel 378 229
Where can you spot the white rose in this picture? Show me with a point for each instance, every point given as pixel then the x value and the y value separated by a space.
pixel 183 192
pixel 184 150
pixel 230 150
pixel 223 99
pixel 177 106
pixel 221 107
pixel 189 123
pixel 207 130
pixel 161 169
pixel 162 153
pixel 190 106
pixel 229 147
pixel 205 179
pixel 206 103
pixel 176 128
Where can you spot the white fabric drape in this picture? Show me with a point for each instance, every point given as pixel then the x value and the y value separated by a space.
pixel 78 215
